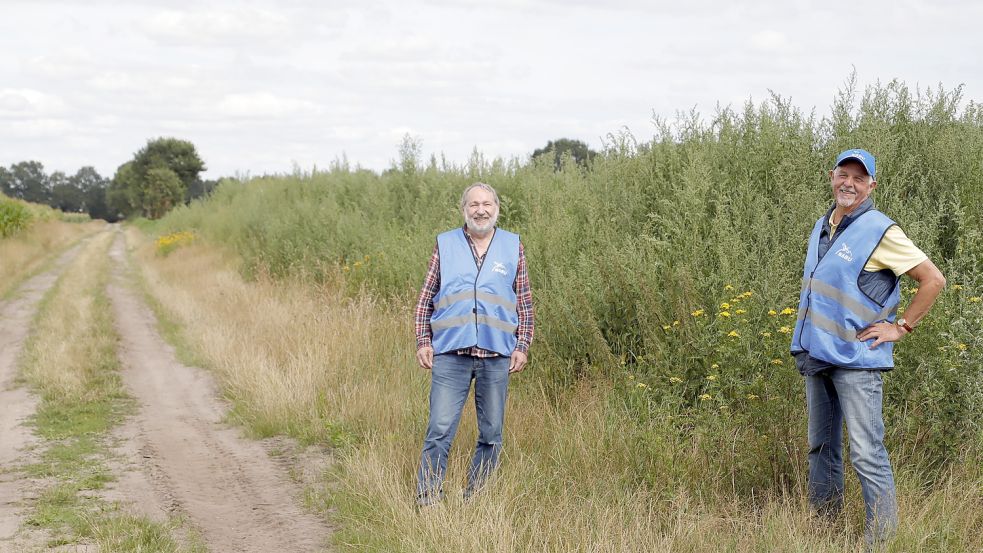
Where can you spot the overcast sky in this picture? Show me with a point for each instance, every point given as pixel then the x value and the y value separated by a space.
pixel 261 86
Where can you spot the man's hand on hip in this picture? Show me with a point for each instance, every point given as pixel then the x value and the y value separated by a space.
pixel 424 356
pixel 882 332
pixel 518 361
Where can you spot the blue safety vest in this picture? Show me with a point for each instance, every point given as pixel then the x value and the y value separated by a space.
pixel 832 306
pixel 476 307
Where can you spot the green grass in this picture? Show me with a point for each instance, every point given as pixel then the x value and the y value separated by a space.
pixel 18 215
pixel 14 217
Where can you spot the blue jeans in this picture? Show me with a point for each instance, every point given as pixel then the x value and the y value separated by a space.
pixel 450 383
pixel 853 395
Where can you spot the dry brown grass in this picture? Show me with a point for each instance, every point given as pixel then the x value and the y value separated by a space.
pixel 73 340
pixel 25 253
pixel 308 362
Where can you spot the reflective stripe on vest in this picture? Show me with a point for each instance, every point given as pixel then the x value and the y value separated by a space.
pixel 833 308
pixel 476 307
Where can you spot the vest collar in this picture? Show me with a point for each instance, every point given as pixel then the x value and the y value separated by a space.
pixel 866 206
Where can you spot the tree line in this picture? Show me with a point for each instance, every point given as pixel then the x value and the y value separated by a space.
pixel 163 174
pixel 83 192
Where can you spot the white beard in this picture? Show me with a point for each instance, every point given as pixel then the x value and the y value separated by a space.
pixel 481 227
pixel 845 201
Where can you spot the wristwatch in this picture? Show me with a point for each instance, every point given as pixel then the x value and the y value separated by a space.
pixel 904 324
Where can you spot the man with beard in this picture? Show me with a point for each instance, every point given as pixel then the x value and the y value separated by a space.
pixel 844 338
pixel 474 321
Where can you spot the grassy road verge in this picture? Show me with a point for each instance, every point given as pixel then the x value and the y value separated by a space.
pixel 29 251
pixel 306 362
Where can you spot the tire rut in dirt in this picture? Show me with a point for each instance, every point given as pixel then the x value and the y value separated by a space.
pixel 16 401
pixel 226 486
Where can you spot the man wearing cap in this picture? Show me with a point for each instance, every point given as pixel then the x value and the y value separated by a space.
pixel 474 321
pixel 845 333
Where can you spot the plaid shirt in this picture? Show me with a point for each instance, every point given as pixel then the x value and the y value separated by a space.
pixel 431 285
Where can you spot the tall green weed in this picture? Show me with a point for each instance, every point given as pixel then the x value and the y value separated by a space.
pixel 664 268
pixel 14 216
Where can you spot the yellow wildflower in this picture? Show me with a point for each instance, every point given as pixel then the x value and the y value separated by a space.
pixel 641 385
pixel 961 347
pixel 785 330
pixel 675 323
pixel 776 362
pixel 715 366
pixel 705 397
pixel 772 312
pixel 766 334
pixel 788 311
pixel 747 294
pixel 724 314
pixel 728 287
pixel 631 377
pixel 666 327
pixel 739 311
pixel 975 299
pixel 725 305
pixel 712 378
pixel 957 286
pixel 752 397
pixel 169 242
pixel 697 313
pixel 357 264
pixel 733 334
pixel 346 268
pixel 675 379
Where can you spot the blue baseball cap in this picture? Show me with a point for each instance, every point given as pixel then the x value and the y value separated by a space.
pixel 863 156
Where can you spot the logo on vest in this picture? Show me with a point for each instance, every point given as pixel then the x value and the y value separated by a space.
pixel 845 253
pixel 499 268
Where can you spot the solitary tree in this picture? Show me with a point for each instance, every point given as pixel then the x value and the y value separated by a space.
pixel 177 155
pixel 157 178
pixel 557 148
pixel 162 190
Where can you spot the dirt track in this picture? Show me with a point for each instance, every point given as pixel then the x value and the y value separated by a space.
pixel 16 403
pixel 226 486
pixel 178 456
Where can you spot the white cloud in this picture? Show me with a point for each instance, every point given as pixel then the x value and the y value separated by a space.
pixel 398 133
pixel 27 103
pixel 769 41
pixel 261 105
pixel 114 81
pixel 64 64
pixel 255 84
pixel 39 128
pixel 217 26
